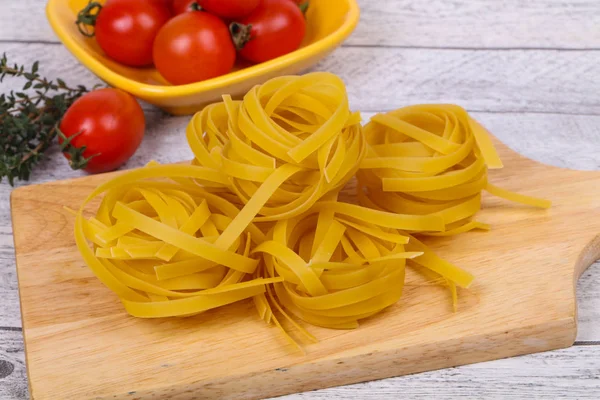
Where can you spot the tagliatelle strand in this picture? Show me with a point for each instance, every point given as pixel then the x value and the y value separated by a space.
pixel 431 160
pixel 298 128
pixel 348 293
pixel 350 270
pixel 146 227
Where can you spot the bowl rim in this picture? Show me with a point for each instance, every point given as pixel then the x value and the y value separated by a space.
pixel 163 91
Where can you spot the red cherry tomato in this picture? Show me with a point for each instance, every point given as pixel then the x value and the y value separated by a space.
pixel 166 3
pixel 229 9
pixel 275 28
pixel 181 6
pixel 192 47
pixel 109 123
pixel 125 29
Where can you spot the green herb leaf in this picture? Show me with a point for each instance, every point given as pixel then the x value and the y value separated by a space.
pixel 29 121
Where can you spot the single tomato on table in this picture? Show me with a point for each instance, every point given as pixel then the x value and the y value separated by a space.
pixel 125 29
pixel 193 47
pixel 103 129
pixel 274 28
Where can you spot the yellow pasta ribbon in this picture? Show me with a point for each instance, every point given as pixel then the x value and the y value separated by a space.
pixel 431 160
pixel 156 242
pixel 289 142
pixel 339 266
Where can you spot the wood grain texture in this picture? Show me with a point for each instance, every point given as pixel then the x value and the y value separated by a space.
pixel 566 373
pixel 410 23
pixel 522 302
pixel 482 80
pixel 387 78
pixel 479 24
pixel 570 373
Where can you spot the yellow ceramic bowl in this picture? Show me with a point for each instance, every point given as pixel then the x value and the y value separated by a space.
pixel 329 23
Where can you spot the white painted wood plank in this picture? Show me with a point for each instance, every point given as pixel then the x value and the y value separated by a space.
pixel 13 375
pixel 570 373
pixel 24 20
pixel 479 23
pixel 438 23
pixel 511 80
pixel 55 62
pixel 10 311
pixel 588 299
pixel 385 78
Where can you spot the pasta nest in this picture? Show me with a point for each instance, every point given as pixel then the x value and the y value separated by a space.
pixel 166 246
pixel 430 160
pixel 289 142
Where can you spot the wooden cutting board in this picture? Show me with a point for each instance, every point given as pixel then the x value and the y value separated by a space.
pixel 80 343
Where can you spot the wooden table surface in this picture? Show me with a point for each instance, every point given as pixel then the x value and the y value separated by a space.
pixel 528 70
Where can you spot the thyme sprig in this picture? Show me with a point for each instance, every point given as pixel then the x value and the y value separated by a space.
pixel 30 119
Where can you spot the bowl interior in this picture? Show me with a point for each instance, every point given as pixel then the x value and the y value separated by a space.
pixel 324 17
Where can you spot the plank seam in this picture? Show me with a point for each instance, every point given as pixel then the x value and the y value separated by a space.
pixel 9 41
pixel 576 343
pixel 465 48
pixel 381 46
pixel 520 112
pixel 11 328
pixel 587 343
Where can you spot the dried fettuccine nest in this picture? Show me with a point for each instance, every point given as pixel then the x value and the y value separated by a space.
pixel 159 242
pixel 342 263
pixel 431 160
pixel 290 142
